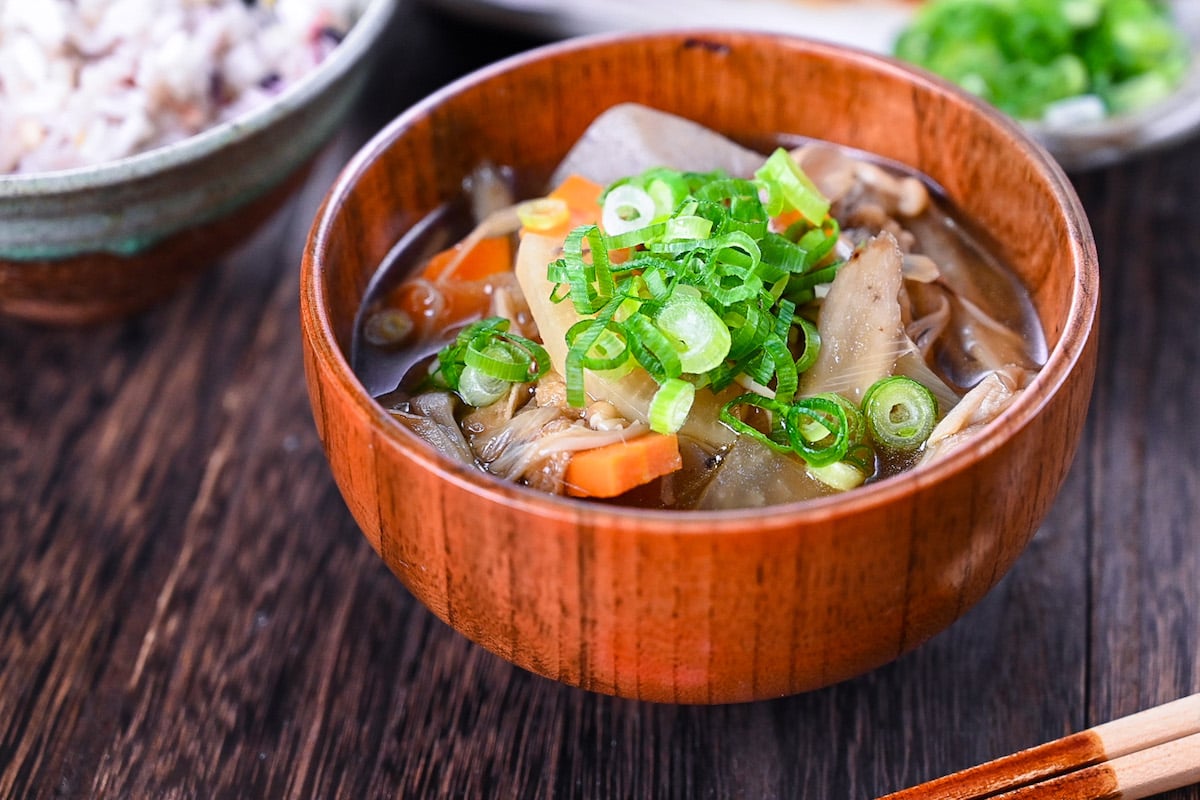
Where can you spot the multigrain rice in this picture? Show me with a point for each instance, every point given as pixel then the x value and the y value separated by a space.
pixel 87 81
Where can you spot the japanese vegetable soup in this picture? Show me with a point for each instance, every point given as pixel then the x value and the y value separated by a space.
pixel 681 322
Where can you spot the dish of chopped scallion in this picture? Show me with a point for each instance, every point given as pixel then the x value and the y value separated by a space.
pixel 1054 61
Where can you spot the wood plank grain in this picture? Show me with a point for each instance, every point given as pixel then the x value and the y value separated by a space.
pixel 1145 560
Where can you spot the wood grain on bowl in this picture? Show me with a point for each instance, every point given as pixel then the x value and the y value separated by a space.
pixel 702 607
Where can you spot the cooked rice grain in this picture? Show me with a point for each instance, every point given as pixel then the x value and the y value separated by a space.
pixel 88 81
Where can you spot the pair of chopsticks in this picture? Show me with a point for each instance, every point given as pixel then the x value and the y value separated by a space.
pixel 1144 754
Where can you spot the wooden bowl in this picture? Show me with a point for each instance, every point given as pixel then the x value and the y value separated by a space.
pixel 97 243
pixel 702 607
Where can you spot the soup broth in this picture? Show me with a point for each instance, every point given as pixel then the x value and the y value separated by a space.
pixel 967 333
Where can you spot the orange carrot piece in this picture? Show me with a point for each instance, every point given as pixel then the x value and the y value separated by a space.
pixel 488 257
pixel 786 220
pixel 616 468
pixel 580 194
pixel 582 197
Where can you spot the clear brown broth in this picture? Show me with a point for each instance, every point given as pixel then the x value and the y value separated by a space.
pixel 391 374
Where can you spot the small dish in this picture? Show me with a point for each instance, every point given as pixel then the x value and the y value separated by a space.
pixel 99 242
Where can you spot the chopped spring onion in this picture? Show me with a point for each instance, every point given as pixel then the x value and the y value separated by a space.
pixel 826 430
pixel 787 185
pixel 627 208
pixel 900 413
pixel 708 292
pixel 594 343
pixel 543 213
pixel 479 389
pixel 388 327
pixel 1028 56
pixel 777 442
pixel 670 405
pixel 812 344
pixel 699 335
pixel 485 359
pixel 687 226
pixel 815 428
pixel 840 475
pixel 652 349
pixel 832 439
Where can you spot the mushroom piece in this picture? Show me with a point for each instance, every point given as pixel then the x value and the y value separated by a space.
pixel 862 333
pixel 990 397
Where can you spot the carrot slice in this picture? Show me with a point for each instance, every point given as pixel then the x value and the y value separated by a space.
pixel 487 257
pixel 580 194
pixel 616 468
pixel 582 197
pixel 785 220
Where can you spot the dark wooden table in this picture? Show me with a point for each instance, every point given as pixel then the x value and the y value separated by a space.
pixel 188 610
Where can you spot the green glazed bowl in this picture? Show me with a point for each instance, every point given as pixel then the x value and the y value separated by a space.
pixel 100 242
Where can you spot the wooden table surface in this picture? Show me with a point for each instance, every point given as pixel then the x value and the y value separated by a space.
pixel 188 610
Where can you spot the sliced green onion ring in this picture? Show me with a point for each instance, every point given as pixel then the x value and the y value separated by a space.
pixel 786 378
pixel 777 409
pixel 479 389
pixel 787 185
pixel 701 338
pixel 840 475
pixel 812 344
pixel 496 359
pixel 635 236
pixel 543 213
pixel 687 227
pixel 825 448
pixel 582 336
pixel 652 349
pixel 626 208
pixel 607 348
pixel 485 359
pixel 591 284
pixel 900 413
pixel 670 405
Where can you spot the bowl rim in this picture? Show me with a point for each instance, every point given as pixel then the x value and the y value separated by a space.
pixel 357 44
pixel 1072 346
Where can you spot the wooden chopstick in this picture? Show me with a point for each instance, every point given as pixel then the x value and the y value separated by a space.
pixel 1146 753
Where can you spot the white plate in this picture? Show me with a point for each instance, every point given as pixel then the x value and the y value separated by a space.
pixel 868 24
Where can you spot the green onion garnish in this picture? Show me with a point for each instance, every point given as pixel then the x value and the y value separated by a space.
pixel 707 292
pixel 900 413
pixel 699 335
pixel 818 430
pixel 670 405
pixel 477 388
pixel 543 213
pixel 828 431
pixel 787 185
pixel 627 208
pixel 485 359
pixel 1029 56
pixel 778 411
pixel 812 344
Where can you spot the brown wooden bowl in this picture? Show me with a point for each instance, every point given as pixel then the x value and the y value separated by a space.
pixel 702 607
